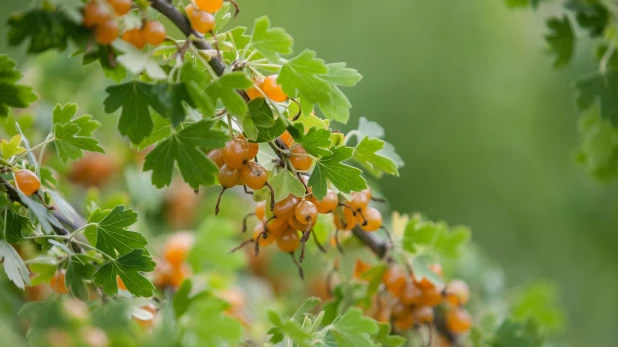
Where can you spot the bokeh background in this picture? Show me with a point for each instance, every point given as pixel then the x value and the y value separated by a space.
pixel 486 126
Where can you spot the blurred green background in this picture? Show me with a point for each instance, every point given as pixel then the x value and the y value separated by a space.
pixel 486 127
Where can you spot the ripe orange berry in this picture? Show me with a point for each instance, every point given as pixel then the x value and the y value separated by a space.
pixel 94 14
pixel 273 90
pixel 359 201
pixel 106 33
pixel 57 283
pixel 94 169
pixel 236 153
pixel 154 32
pixel 306 212
pixel 254 175
pixel 288 241
pixel 344 219
pixel 287 138
pixel 216 155
pixel 257 235
pixel 177 248
pixel 425 283
pixel 121 284
pixel 457 293
pixel 134 37
pixel 401 311
pixel 27 182
pixel 121 7
pixel 326 205
pixel 373 218
pixel 254 148
pixel 286 208
pixel 432 296
pixel 367 193
pixel 299 159
pixel 394 280
pixel 211 6
pixel 423 315
pixel 412 295
pixel 404 323
pixel 228 177
pixel 298 225
pixel 201 21
pixel 260 210
pixel 458 321
pixel 253 92
pixel 277 227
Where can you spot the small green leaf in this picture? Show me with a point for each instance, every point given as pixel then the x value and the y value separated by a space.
pixel 183 149
pixel 266 134
pixel 561 40
pixel 77 272
pixel 261 113
pixel 129 268
pixel 284 184
pixel 315 142
pixel 70 145
pixel 225 88
pixel 330 168
pixel 16 224
pixel 353 329
pixel 11 147
pixel 12 94
pixel 110 234
pixel 14 266
pixel 271 42
pixel 367 153
pixel 137 61
pixel 300 76
pixel 602 88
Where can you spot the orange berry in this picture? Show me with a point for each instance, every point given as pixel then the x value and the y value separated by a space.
pixel 287 138
pixel 57 283
pixel 298 225
pixel 432 296
pixel 344 219
pixel 121 7
pixel 253 92
pixel 277 227
pixel 257 235
pixel 27 182
pixel 401 311
pixel 254 148
pixel 236 153
pixel 229 177
pixel 107 32
pixel 289 241
pixel 286 208
pixel 121 285
pixel 412 295
pixel 273 90
pixel 373 218
pixel 135 37
pixel 201 21
pixel 425 283
pixel 216 155
pixel 253 175
pixel 359 201
pixel 326 205
pixel 299 159
pixel 359 268
pixel 394 280
pixel 211 6
pixel 457 293
pixel 458 321
pixel 260 210
pixel 423 315
pixel 154 32
pixel 306 212
pixel 177 248
pixel 94 14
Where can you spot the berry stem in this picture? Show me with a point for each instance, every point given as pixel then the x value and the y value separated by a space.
pixel 243 244
pixel 300 269
pixel 219 201
pixel 244 221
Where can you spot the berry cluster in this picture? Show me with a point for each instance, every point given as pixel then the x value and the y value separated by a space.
pixel 103 16
pixel 236 167
pixel 200 14
pixel 412 302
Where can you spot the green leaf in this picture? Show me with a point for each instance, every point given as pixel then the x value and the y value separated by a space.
pixel 601 87
pixel 77 272
pixel 266 134
pixel 203 102
pixel 315 142
pixel 284 184
pixel 222 16
pixel 137 61
pixel 300 76
pixel 225 88
pixel 11 147
pixel 16 224
pixel 110 234
pixel 271 42
pixel 354 329
pixel 135 98
pixel 12 94
pixel 366 152
pixel 369 128
pixel 14 266
pixel 420 264
pixel 561 40
pixel 330 168
pixel 183 148
pixel 384 337
pixel 261 113
pixel 70 145
pixel 288 328
pixel 539 301
pixel 215 237
pixel 221 330
pixel 449 244
pixel 341 75
pixel 421 233
pixel 162 129
pixel 45 28
pixel 128 267
pixel 174 96
pixel 520 334
pixel 308 305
